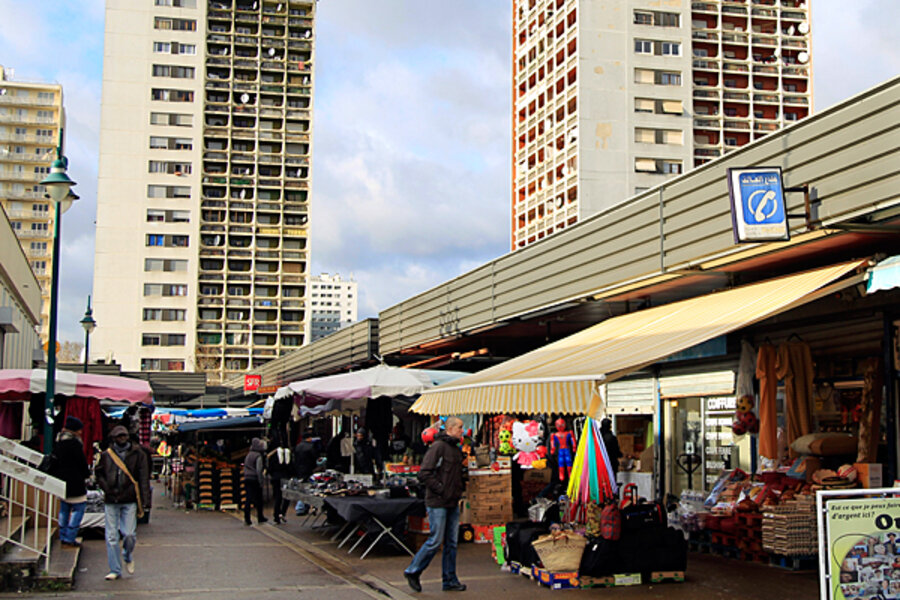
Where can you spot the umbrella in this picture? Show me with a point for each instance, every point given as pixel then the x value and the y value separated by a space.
pixel 20 384
pixel 592 478
pixel 380 380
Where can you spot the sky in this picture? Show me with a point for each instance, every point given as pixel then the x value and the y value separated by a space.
pixel 411 147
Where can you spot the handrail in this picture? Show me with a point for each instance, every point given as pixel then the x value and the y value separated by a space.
pixel 10 447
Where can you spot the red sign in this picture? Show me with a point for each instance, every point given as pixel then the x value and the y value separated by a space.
pixel 252 382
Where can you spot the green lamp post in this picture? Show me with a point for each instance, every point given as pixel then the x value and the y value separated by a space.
pixel 88 323
pixel 58 187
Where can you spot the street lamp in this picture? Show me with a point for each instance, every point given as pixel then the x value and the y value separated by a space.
pixel 58 187
pixel 89 325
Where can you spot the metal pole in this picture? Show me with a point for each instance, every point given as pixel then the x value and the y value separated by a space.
pixel 51 334
pixel 87 348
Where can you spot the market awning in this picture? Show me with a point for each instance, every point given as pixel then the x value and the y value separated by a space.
pixel 561 377
pixel 884 276
pixel 19 384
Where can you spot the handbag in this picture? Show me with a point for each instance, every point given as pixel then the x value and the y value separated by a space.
pixel 137 490
pixel 47 463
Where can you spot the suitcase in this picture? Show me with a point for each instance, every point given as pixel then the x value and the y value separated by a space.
pixel 601 558
pixel 639 516
pixel 671 554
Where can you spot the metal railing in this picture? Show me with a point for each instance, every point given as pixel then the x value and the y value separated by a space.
pixel 31 498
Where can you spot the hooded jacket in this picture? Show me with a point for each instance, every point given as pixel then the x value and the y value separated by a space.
pixel 70 465
pixel 254 463
pixel 117 487
pixel 442 472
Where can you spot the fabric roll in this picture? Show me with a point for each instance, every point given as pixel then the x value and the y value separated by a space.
pixel 768 419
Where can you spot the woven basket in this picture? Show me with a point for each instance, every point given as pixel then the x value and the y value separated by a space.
pixel 561 552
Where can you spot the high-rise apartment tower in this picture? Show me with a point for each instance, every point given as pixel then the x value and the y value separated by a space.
pixel 612 97
pixel 203 200
pixel 31 115
pixel 333 304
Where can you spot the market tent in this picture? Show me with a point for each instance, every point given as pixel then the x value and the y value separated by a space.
pixel 219 423
pixel 20 384
pixel 377 381
pixel 562 377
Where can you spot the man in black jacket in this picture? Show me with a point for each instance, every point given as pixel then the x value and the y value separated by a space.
pixel 611 443
pixel 69 464
pixel 442 475
pixel 123 474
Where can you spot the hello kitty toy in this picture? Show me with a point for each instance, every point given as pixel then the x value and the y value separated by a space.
pixel 526 438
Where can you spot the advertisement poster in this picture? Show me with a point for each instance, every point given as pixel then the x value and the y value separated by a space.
pixel 864 548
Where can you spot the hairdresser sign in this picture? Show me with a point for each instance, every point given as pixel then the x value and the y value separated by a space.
pixel 757 204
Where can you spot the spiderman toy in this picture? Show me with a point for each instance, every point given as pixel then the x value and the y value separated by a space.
pixel 562 444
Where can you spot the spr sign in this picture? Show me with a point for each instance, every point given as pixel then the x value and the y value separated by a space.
pixel 252 382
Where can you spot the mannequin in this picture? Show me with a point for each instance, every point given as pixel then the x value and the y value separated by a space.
pixel 562 444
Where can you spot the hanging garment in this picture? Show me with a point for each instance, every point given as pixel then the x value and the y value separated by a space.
pixel 794 364
pixel 11 419
pixel 746 370
pixel 870 412
pixel 768 419
pixel 88 410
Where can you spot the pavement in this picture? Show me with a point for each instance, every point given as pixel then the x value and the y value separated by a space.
pixel 204 555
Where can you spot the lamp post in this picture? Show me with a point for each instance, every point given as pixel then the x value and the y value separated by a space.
pixel 58 187
pixel 89 325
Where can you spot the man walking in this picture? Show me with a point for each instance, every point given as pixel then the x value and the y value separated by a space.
pixel 124 476
pixel 254 471
pixel 71 466
pixel 442 475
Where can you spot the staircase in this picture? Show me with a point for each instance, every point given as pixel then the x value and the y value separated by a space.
pixel 30 553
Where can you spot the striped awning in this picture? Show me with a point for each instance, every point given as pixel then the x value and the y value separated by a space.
pixel 561 377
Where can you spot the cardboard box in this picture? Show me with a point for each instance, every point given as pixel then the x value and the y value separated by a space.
pixel 592 582
pixel 557 580
pixel 626 444
pixel 646 461
pixel 627 579
pixel 484 534
pixel 537 475
pixel 870 475
pixel 465 511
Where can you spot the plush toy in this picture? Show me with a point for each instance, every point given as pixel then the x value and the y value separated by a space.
pixel 750 421
pixel 526 438
pixel 505 447
pixel 562 444
pixel 744 404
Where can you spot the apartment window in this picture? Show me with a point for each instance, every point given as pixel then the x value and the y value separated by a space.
pixel 670 166
pixel 177 3
pixel 187 49
pixel 643 18
pixel 39 227
pixel 158 215
pixel 791 116
pixel 156 240
pixel 165 289
pixel 657 18
pixel 643 46
pixel 652 165
pixel 668 78
pixel 168 191
pixel 167 95
pixel 162 47
pixel 166 23
pixel 670 49
pixel 46 95
pixel 162 339
pixel 161 364
pixel 164 314
pixel 168 241
pixel 731 141
pixel 173 71
pixel 45 115
pixel 165 265
pixel 673 137
pixel 172 119
pixel 172 168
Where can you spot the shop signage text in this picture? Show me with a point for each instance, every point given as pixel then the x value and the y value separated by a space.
pixel 252 382
pixel 757 204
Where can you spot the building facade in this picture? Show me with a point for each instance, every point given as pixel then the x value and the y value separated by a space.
pixel 613 97
pixel 333 304
pixel 20 303
pixel 31 115
pixel 203 197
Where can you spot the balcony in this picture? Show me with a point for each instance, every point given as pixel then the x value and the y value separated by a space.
pixel 15 99
pixel 36 177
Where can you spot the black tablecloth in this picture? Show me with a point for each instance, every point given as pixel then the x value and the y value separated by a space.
pixel 387 510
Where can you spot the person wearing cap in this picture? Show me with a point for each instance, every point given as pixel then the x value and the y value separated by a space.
pixel 123 474
pixel 69 464
pixel 368 458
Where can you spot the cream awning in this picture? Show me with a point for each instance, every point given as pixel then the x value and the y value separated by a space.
pixel 561 377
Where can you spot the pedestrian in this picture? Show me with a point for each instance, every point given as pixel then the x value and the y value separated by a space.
pixel 254 471
pixel 366 453
pixel 281 466
pixel 69 464
pixel 442 474
pixel 306 454
pixel 611 443
pixel 124 476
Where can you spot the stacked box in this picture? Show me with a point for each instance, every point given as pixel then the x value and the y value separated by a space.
pixel 490 498
pixel 557 580
pixel 789 529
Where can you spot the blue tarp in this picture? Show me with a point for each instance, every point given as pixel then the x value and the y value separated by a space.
pixel 220 423
pixel 884 276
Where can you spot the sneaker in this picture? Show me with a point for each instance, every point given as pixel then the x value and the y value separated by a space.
pixel 456 587
pixel 413 580
pixel 112 576
pixel 129 566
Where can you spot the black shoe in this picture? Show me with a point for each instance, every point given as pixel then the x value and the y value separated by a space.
pixel 248 523
pixel 456 587
pixel 413 580
pixel 263 520
pixel 280 520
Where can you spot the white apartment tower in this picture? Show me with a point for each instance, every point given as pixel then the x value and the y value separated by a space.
pixel 203 197
pixel 333 305
pixel 612 97
pixel 31 116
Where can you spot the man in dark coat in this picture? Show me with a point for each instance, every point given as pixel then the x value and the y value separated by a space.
pixel 254 471
pixel 306 454
pixel 366 453
pixel 442 475
pixel 124 476
pixel 611 443
pixel 70 465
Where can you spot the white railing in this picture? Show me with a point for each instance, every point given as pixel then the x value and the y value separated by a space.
pixel 31 498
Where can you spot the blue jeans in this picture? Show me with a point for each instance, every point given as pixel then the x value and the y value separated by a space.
pixel 120 519
pixel 444 523
pixel 70 515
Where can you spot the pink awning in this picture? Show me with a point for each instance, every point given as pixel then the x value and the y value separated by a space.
pixel 19 384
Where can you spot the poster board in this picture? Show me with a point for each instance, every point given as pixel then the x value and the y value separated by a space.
pixel 859 543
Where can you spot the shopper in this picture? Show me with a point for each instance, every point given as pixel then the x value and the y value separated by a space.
pixel 281 466
pixel 366 453
pixel 254 471
pixel 611 443
pixel 442 475
pixel 124 476
pixel 69 464
pixel 306 454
